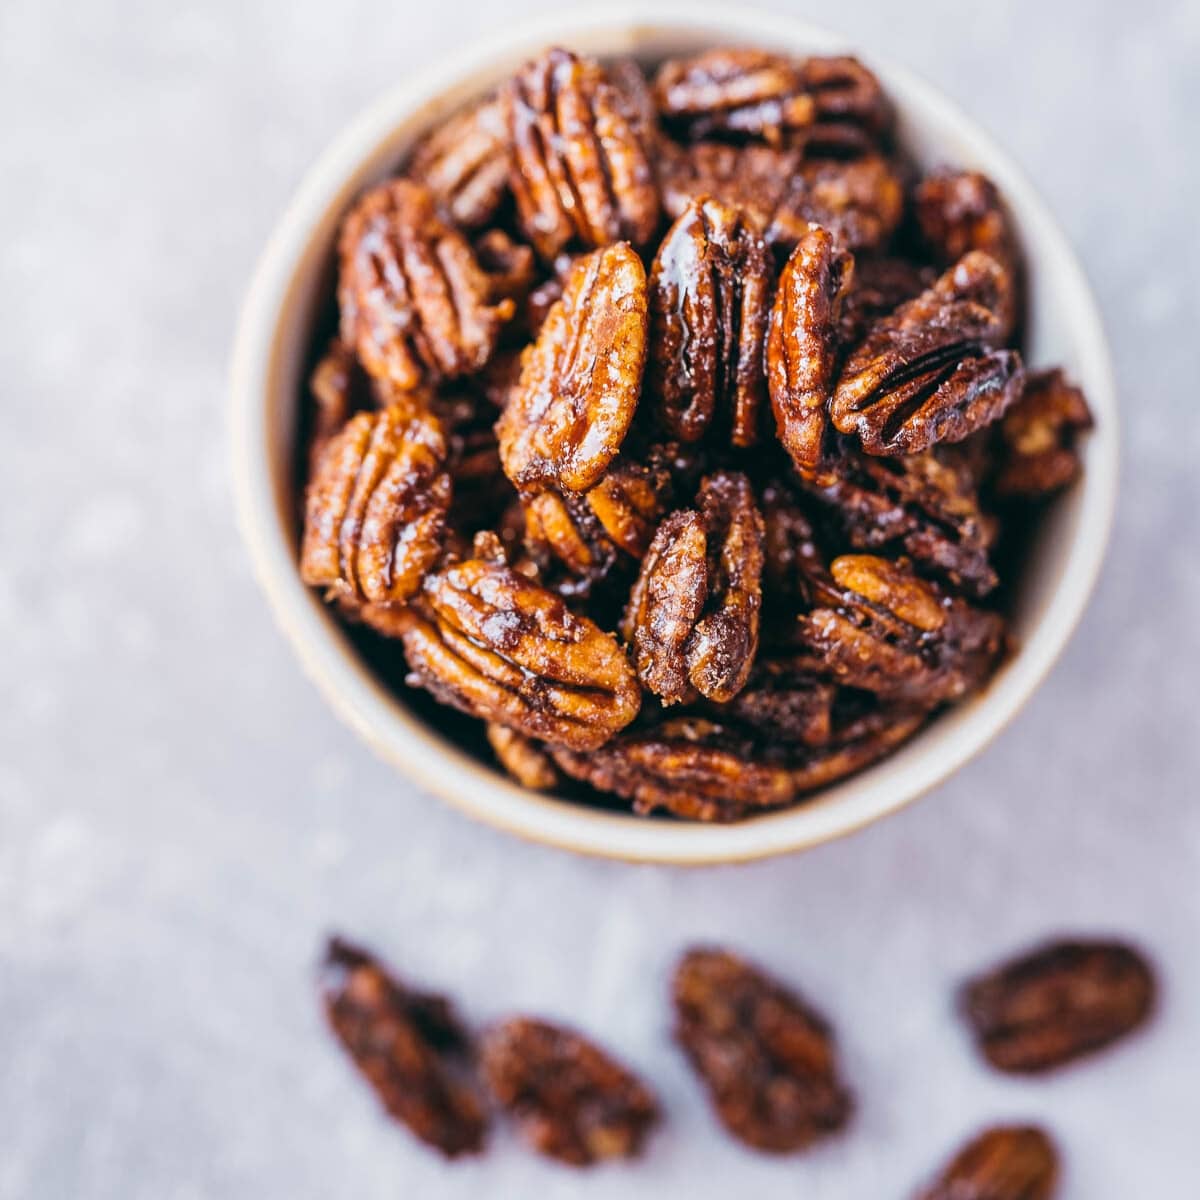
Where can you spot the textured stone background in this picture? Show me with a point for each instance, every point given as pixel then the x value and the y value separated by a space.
pixel 181 817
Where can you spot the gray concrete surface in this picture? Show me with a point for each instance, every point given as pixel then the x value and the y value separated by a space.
pixel 181 818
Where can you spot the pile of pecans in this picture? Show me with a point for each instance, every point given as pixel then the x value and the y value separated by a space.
pixel 767 1059
pixel 673 427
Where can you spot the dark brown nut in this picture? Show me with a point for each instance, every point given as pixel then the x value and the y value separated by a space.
pixel 631 499
pixel 636 99
pixel 337 389
pixel 930 372
pixel 570 1099
pixel 465 162
pixel 709 303
pixel 792 557
pixel 410 1046
pixel 523 759
pixel 879 628
pixel 1038 455
pixel 1058 1003
pixel 802 347
pixel 768 1060
pixel 580 173
pixel 1002 1163
pixel 414 299
pixel 852 114
pixel 564 525
pixel 376 508
pixel 878 287
pixel 510 266
pixel 693 615
pixel 495 644
pixel 785 705
pixel 581 379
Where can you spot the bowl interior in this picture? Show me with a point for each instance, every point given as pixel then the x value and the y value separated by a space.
pixel 291 293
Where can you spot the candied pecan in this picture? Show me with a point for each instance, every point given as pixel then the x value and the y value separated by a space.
pixel 509 266
pixel 566 526
pixel 522 758
pixel 570 1099
pixel 877 288
pixel 336 387
pixel 852 114
pixel 782 703
pixel 1058 1003
pixel 1037 437
pixel 465 162
pixel 693 615
pixel 709 303
pixel 1014 1162
pixel 636 99
pixel 493 643
pixel 802 347
pixel 768 1060
pixel 791 556
pixel 581 379
pixel 410 1046
pixel 929 372
pixel 376 507
pixel 579 171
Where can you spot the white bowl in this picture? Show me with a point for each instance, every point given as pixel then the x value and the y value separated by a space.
pixel 291 282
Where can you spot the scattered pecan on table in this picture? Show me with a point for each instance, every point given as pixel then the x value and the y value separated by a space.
pixel 1006 1162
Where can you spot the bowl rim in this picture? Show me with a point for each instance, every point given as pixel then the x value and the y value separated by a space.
pixel 434 763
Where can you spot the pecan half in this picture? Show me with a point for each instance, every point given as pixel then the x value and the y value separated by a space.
pixel 1058 1003
pixel 523 759
pixel 693 615
pixel 338 389
pixel 570 1099
pixel 410 1046
pixel 930 372
pixel 852 112
pixel 376 508
pixel 495 644
pixel 509 266
pixel 709 302
pixel 580 173
pixel 768 1060
pixel 802 347
pixel 581 379
pixel 1006 1162
pixel 1038 455
pixel 414 299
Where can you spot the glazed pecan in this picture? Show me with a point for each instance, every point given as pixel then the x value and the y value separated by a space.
pixel 523 759
pixel 709 302
pixel 410 1046
pixel 465 162
pixel 414 299
pixel 1058 1003
pixel 693 615
pixel 785 704
pixel 1037 437
pixel 376 507
pixel 581 379
pixel 509 265
pixel 791 554
pixel 570 1099
pixel 852 112
pixel 493 643
pixel 930 372
pixel 802 347
pixel 768 1060
pixel 580 173
pixel 1006 1162
pixel 877 288
pixel 337 387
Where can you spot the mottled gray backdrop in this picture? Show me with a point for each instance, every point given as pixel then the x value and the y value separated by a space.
pixel 181 817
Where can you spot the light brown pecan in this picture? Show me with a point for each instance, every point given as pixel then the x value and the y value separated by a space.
pixel 522 758
pixel 693 615
pixel 1058 1003
pixel 802 347
pixel 1038 455
pixel 581 379
pixel 376 507
pixel 930 372
pixel 570 1099
pixel 1006 1162
pixel 490 641
pixel 465 162
pixel 709 303
pixel 768 1060
pixel 410 1046
pixel 580 173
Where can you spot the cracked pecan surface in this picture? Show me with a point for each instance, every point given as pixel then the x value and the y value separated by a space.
pixel 1005 1162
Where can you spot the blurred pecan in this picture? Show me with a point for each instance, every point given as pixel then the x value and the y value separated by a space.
pixel 877 288
pixel 465 162
pixel 802 347
pixel 636 99
pixel 337 387
pixel 709 301
pixel 581 379
pixel 1002 1163
pixel 852 114
pixel 493 643
pixel 1037 437
pixel 929 372
pixel 768 1060
pixel 580 172
pixel 1058 1003
pixel 693 615
pixel 523 759
pixel 570 1099
pixel 376 507
pixel 509 266
pixel 410 1046
pixel 791 556
pixel 414 299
